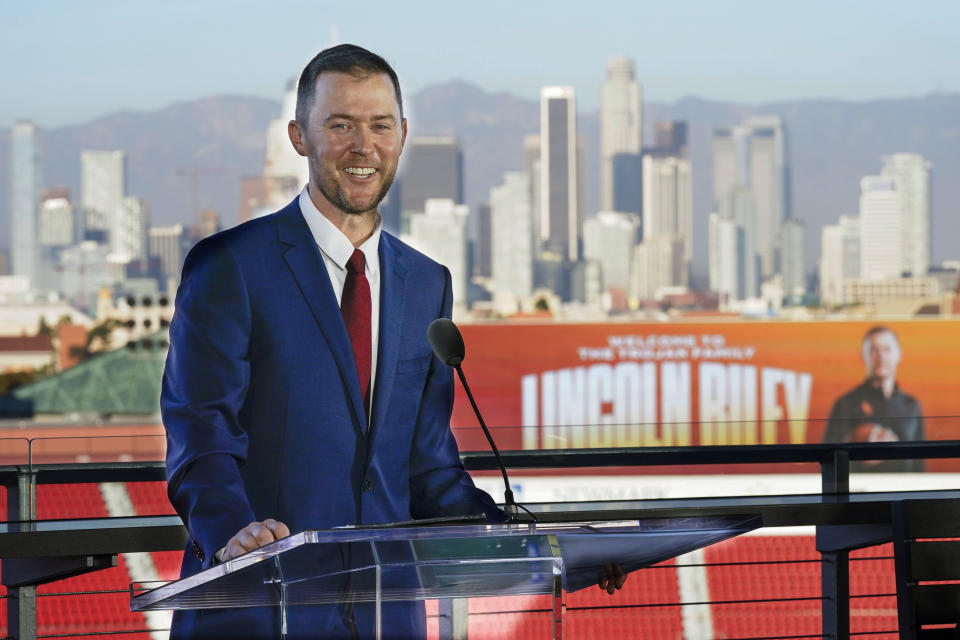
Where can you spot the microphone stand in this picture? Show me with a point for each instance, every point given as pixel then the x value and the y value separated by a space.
pixel 510 505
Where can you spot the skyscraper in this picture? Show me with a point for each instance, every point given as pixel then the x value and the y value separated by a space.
pixel 24 194
pixel 128 237
pixel 735 265
pixel 839 258
pixel 882 228
pixel 170 245
pixel 628 182
pixel 511 231
pixel 621 122
pixel 56 228
pixel 440 231
pixel 770 183
pixel 103 179
pixel 531 165
pixel 912 177
pixel 482 242
pixel 657 264
pixel 668 203
pixel 610 238
pixel 727 252
pixel 670 138
pixel 750 163
pixel 432 168
pixel 560 217
pixel 794 276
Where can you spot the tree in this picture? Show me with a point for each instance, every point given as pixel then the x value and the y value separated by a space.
pixel 43 329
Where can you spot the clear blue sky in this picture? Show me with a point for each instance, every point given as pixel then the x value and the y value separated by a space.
pixel 68 62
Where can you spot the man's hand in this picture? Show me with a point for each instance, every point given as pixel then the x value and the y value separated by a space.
pixel 871 432
pixel 253 536
pixel 611 578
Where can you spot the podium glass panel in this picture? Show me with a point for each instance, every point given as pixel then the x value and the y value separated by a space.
pixel 409 563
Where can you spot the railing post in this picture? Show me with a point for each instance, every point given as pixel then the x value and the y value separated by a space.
pixel 835 472
pixel 835 565
pixel 22 601
pixel 453 618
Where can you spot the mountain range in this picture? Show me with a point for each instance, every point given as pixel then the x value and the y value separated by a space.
pixel 832 144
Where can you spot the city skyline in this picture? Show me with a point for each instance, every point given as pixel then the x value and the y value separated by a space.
pixel 749 53
pixel 750 170
pixel 905 122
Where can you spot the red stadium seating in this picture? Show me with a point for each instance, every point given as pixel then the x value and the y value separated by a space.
pixel 517 617
pixel 85 612
pixel 70 501
pixel 762 582
pixel 150 498
pixel 873 576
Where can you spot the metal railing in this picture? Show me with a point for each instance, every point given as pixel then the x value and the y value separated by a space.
pixel 21 480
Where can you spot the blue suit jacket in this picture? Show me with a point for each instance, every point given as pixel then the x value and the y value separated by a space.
pixel 263 413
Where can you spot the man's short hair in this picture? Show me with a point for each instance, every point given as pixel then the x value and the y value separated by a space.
pixel 343 58
pixel 872 331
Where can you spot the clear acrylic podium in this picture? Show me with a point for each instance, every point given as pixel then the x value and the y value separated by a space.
pixel 407 563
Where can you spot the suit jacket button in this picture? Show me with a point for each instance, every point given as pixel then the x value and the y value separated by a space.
pixel 366 486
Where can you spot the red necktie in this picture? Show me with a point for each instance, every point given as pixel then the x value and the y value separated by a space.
pixel 355 309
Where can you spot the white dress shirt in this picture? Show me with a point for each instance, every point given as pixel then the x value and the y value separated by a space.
pixel 336 250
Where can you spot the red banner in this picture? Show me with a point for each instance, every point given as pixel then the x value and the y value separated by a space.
pixel 549 386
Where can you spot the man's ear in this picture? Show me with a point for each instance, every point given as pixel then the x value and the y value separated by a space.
pixel 403 134
pixel 296 137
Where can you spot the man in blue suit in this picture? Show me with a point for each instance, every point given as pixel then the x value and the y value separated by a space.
pixel 300 391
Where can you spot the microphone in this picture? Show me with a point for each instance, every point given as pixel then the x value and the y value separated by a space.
pixel 447 345
pixel 446 342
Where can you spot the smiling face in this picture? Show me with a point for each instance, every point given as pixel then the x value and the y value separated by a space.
pixel 881 355
pixel 352 142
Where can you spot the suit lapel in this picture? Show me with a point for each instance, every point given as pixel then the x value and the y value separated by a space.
pixel 393 275
pixel 308 269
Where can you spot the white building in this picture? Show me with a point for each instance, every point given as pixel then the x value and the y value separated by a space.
pixel 878 291
pixel 737 235
pixel 281 159
pixel 138 313
pixel 911 174
pixel 895 219
pixel 769 181
pixel 610 238
pixel 839 258
pixel 621 121
pixel 657 264
pixel 56 227
pixel 128 237
pixel 560 216
pixel 751 159
pixel 22 308
pixel 24 195
pixel 103 178
pixel 441 233
pixel 881 228
pixel 170 245
pixel 727 258
pixel 668 201
pixel 55 230
pixel 512 241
